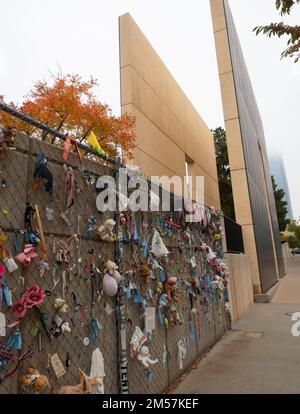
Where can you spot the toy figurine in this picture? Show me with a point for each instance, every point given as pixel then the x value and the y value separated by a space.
pixel 144 357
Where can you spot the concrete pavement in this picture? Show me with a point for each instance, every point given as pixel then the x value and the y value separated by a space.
pixel 260 355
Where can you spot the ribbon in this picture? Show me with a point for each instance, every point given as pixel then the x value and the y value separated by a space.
pixel 95 330
pixel 69 187
pixel 149 376
pixel 67 147
pixel 5 292
pixel 162 276
pixel 14 341
pixel 182 351
pixel 192 331
pixel 16 242
pixel 145 248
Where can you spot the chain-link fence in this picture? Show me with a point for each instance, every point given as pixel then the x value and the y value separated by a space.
pixel 73 273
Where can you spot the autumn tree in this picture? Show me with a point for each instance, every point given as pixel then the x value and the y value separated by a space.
pixel 281 29
pixel 68 105
pixel 224 176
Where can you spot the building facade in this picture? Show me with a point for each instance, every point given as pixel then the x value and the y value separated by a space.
pixel 251 178
pixel 278 171
pixel 172 138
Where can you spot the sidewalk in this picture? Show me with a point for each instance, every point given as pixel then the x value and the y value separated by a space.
pixel 260 355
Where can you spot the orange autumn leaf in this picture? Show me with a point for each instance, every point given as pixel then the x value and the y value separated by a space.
pixel 69 105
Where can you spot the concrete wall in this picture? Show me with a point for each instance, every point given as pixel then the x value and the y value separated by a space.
pixel 169 129
pixel 240 284
pixel 286 252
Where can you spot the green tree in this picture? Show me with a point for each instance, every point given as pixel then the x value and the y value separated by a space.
pixel 293 242
pixel 281 206
pixel 281 29
pixel 293 227
pixel 225 186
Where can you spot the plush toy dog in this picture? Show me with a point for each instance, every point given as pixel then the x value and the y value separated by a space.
pixel 106 231
pixel 35 379
pixel 84 387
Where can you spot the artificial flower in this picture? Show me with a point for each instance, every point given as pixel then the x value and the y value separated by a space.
pixel 20 309
pixel 33 296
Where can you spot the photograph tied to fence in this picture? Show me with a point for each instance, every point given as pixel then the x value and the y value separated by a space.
pixel 99 302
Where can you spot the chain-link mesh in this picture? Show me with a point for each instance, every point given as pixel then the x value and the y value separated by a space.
pixel 201 309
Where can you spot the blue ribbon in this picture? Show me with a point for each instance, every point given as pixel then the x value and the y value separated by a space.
pixel 14 341
pixel 160 316
pixel 95 330
pixel 145 248
pixel 149 376
pixel 16 242
pixel 192 331
pixel 6 293
pixel 136 296
pixel 162 276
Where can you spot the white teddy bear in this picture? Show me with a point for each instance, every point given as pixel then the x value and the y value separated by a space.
pixel 144 357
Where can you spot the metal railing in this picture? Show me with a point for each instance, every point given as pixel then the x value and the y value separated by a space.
pixel 51 131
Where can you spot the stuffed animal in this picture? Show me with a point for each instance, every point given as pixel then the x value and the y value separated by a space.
pixel 106 231
pixel 35 379
pixel 60 326
pixel 159 288
pixel 170 289
pixel 111 278
pixel 84 387
pixel 174 315
pixel 145 272
pixel 144 357
pixel 61 305
pixel 6 138
pixel 112 269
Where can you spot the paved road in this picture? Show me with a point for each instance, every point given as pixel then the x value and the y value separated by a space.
pixel 260 355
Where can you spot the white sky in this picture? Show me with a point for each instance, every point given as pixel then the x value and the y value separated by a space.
pixel 81 36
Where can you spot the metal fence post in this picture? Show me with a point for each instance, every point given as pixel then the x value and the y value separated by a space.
pixel 121 307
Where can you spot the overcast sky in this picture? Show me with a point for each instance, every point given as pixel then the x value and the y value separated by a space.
pixel 81 36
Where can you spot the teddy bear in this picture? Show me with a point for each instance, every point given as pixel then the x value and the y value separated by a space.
pixel 144 357
pixel 106 231
pixel 175 318
pixel 170 289
pixel 61 305
pixel 145 272
pixel 111 278
pixel 35 379
pixel 112 269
